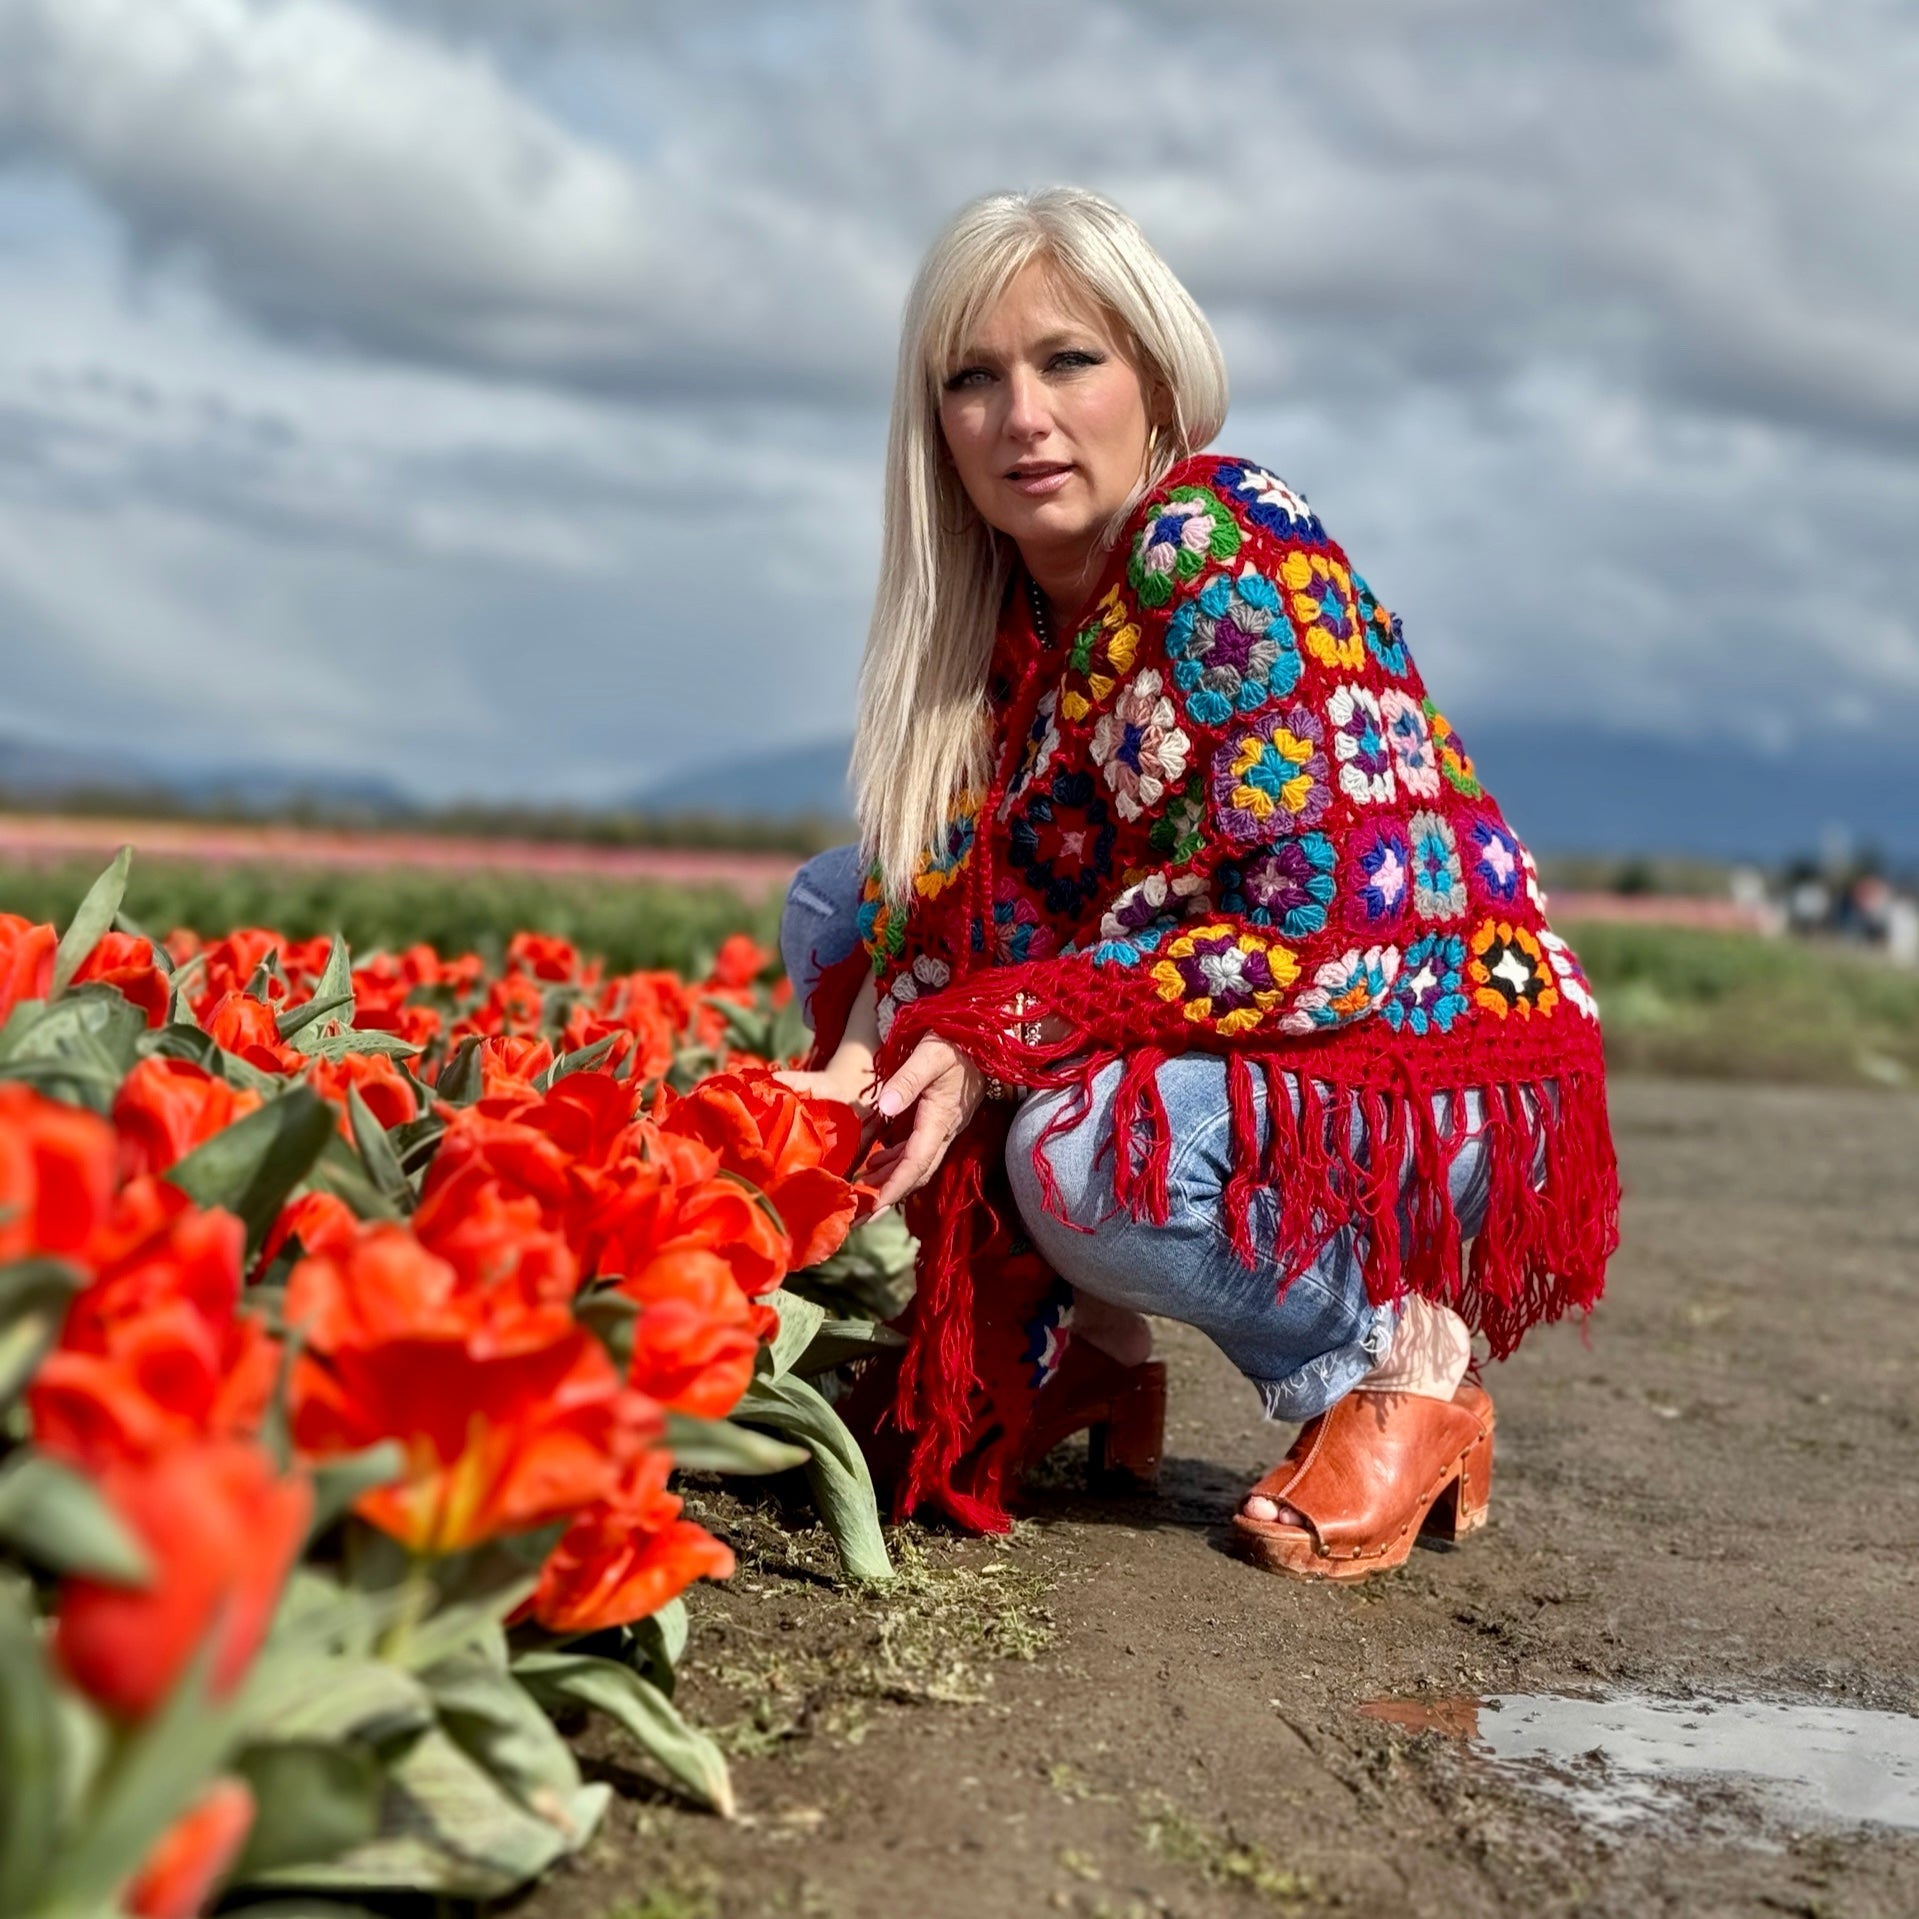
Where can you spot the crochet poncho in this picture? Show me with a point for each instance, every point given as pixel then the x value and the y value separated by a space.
pixel 1227 816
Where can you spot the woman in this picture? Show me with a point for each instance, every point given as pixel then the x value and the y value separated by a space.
pixel 1197 974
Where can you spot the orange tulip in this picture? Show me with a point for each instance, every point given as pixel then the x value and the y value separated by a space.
pixel 627 1556
pixel 56 1174
pixel 184 1870
pixel 668 1195
pixel 222 1529
pixel 510 1413
pixel 739 962
pixel 697 1335
pixel 377 1080
pixel 796 1149
pixel 548 957
pixel 26 961
pixel 491 1237
pixel 239 1024
pixel 122 961
pixel 154 1352
pixel 167 1107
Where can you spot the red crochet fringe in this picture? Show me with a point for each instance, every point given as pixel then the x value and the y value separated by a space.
pixel 1351 1138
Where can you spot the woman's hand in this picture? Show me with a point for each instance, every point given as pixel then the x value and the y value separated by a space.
pixel 944 1088
pixel 850 1089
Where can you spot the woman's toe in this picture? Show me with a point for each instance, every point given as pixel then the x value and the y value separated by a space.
pixel 1270 1512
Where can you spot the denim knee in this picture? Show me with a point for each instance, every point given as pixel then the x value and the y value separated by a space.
pixel 819 924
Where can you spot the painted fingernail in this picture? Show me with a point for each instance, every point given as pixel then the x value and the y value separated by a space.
pixel 889 1102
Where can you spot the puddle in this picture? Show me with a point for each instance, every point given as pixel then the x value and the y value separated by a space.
pixel 1627 1756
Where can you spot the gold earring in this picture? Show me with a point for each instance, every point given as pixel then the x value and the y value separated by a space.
pixel 939 513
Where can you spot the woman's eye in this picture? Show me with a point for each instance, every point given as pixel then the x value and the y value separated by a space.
pixel 1075 358
pixel 965 377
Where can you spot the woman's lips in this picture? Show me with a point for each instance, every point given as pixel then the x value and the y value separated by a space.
pixel 1037 483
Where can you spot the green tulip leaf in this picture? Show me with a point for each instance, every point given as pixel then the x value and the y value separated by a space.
pixel 56 1519
pixel 33 1307
pixel 448 1828
pixel 93 917
pixel 313 1800
pixel 251 1166
pixel 31 1762
pixel 688 1757
pixel 719 1446
pixel 842 1485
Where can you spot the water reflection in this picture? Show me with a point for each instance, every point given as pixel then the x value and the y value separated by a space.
pixel 1623 1756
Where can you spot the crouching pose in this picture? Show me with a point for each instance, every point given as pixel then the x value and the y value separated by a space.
pixel 1188 965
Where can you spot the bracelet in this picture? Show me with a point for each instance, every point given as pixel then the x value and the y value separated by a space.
pixel 997 1089
pixel 1027 1035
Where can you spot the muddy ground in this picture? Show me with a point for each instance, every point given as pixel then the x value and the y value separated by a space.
pixel 1712 1489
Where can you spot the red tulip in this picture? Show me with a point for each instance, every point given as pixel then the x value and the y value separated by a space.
pixel 796 1149
pixel 122 961
pixel 510 1413
pixel 56 1174
pixel 26 961
pixel 222 1529
pixel 627 1556
pixel 377 1080
pixel 697 1335
pixel 189 1860
pixel 167 1107
pixel 239 1024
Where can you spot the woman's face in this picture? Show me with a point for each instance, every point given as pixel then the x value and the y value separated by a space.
pixel 1046 419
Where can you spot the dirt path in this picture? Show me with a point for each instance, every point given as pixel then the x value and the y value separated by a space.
pixel 1716 1491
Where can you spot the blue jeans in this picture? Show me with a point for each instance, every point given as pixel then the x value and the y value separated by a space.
pixel 1302 1351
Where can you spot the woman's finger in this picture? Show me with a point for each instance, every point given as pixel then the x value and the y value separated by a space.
pixel 925 1146
pixel 929 1059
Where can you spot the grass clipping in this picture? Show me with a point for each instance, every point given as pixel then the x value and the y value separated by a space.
pixel 783 1652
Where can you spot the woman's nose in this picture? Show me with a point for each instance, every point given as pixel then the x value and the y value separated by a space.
pixel 1028 416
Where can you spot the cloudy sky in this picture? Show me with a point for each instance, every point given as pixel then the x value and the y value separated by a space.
pixel 490 393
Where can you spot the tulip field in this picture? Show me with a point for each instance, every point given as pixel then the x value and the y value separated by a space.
pixel 356 1311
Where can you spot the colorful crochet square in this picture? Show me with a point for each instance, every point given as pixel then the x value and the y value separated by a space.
pixel 939 866
pixel 1343 990
pixel 1566 970
pixel 1047 1334
pixel 1454 761
pixel 882 925
pixel 1385 639
pixel 1229 980
pixel 1379 877
pixel 1231 648
pixel 925 975
pixel 1270 776
pixel 1415 758
pixel 1061 842
pixel 1439 887
pixel 1139 747
pixel 1493 873
pixel 1269 502
pixel 1359 745
pixel 1184 532
pixel 1036 754
pixel 1019 933
pixel 1427 997
pixel 1152 901
pixel 1288 886
pixel 1102 655
pixel 1319 595
pixel 1509 972
pixel 1179 832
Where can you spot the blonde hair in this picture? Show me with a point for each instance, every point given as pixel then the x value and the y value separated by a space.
pixel 921 735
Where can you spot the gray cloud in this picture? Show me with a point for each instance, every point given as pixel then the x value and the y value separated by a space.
pixel 455 327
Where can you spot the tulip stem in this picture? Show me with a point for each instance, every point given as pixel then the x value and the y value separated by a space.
pixel 416 1601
